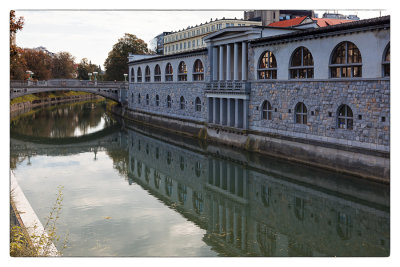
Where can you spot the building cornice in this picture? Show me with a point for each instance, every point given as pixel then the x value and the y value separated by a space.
pixel 339 29
pixel 190 53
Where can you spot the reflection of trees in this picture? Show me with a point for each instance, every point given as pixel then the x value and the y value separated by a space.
pixel 62 121
pixel 120 160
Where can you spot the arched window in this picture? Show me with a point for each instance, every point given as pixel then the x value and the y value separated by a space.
pixel 301 64
pixel 198 71
pixel 386 62
pixel 346 61
pixel 132 75
pixel 267 66
pixel 138 98
pixel 345 117
pixel 182 72
pixel 157 73
pixel 266 111
pixel 182 193
pixel 168 101
pixel 147 99
pixel 198 204
pixel 157 179
pixel 301 113
pixel 147 74
pixel 169 77
pixel 182 102
pixel 197 168
pixel 139 75
pixel 198 104
pixel 168 186
pixel 157 100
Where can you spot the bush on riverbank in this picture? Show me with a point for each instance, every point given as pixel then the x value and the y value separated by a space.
pixel 32 97
pixel 24 245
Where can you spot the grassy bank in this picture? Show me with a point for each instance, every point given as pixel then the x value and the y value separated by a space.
pixel 32 97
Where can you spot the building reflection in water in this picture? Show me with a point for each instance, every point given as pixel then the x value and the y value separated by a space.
pixel 251 207
pixel 252 212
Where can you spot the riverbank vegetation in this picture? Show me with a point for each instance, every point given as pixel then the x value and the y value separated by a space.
pixel 36 244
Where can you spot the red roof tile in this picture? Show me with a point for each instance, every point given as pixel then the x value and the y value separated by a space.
pixel 322 22
pixel 288 23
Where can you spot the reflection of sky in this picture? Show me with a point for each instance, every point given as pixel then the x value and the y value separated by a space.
pixel 89 129
pixel 139 224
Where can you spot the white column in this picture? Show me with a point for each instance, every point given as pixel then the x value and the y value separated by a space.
pixel 236 112
pixel 215 64
pixel 244 61
pixel 214 110
pixel 243 230
pixel 228 62
pixel 221 63
pixel 236 61
pixel 229 115
pixel 245 114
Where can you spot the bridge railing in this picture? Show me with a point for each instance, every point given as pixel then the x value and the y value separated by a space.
pixel 67 83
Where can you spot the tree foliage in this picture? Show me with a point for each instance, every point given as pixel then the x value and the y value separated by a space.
pixel 17 63
pixel 116 63
pixel 63 66
pixel 85 67
pixel 39 63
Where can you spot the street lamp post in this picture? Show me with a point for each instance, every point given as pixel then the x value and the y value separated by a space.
pixel 95 78
pixel 90 76
pixel 125 75
pixel 30 74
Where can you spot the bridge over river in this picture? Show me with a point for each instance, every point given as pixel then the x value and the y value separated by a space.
pixel 116 91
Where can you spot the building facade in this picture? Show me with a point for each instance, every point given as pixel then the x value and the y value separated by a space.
pixel 192 38
pixel 320 96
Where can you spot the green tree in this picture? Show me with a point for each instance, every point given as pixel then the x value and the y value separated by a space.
pixel 85 66
pixel 63 66
pixel 116 63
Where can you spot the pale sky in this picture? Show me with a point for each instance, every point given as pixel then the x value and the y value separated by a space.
pixel 91 34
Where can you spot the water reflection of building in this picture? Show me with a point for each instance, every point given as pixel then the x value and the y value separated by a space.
pixel 248 212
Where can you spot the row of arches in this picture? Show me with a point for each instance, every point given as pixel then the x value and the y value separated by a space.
pixel 168 103
pixel 345 62
pixel 198 72
pixel 344 114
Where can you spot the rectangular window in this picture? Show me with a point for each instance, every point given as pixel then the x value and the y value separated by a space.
pixel 213 28
pixel 193 43
pixel 189 44
pixel 197 42
pixel 176 47
pixel 198 31
pixel 184 45
pixel 180 46
pixel 227 25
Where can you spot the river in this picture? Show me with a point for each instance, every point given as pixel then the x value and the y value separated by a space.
pixel 135 191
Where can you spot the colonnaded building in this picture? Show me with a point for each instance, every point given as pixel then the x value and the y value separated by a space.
pixel 319 96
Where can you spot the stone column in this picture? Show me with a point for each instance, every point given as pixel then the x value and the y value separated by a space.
pixel 227 226
pixel 229 115
pixel 214 63
pixel 221 63
pixel 243 230
pixel 214 110
pixel 236 180
pixel 236 61
pixel 220 219
pixel 244 61
pixel 228 62
pixel 236 112
pixel 235 230
pixel 245 114
pixel 210 109
pixel 223 111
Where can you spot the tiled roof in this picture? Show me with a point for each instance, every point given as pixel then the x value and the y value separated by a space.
pixel 322 22
pixel 288 23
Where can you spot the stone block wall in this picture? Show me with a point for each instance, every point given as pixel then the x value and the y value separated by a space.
pixel 189 90
pixel 368 99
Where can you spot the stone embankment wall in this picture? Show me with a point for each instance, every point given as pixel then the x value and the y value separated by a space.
pixel 46 101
